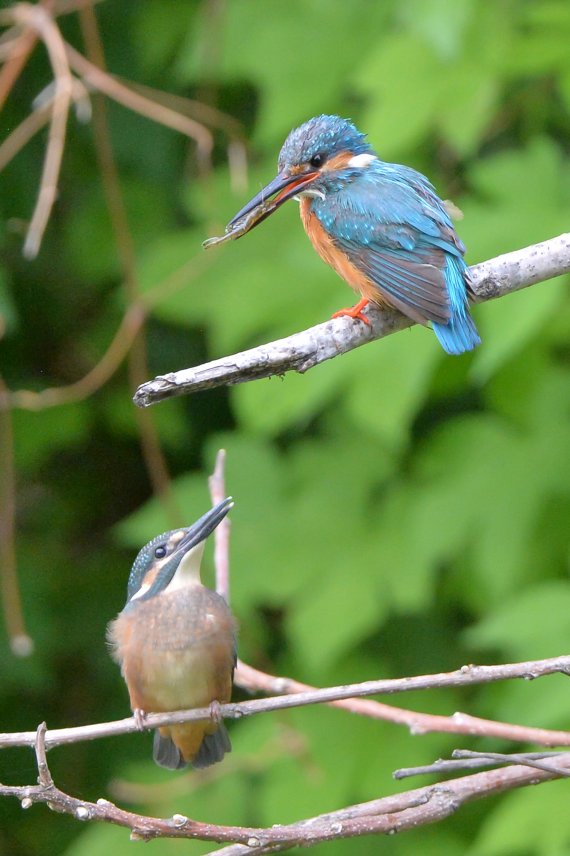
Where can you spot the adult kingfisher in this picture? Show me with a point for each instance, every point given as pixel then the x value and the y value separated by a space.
pixel 175 641
pixel 380 226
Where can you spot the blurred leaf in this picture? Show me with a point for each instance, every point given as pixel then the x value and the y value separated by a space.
pixel 434 81
pixel 389 381
pixel 543 703
pixel 147 211
pixel 399 115
pixel 8 311
pixel 511 188
pixel 534 820
pixel 38 435
pixel 338 613
pixel 100 840
pixel 159 30
pixel 530 625
pixel 257 50
pixel 442 24
pixel 271 406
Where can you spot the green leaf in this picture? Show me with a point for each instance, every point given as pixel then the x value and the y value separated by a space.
pixel 100 840
pixel 256 49
pixel 389 382
pixel 398 116
pixel 159 30
pixel 8 311
pixel 534 820
pixel 41 434
pixel 274 405
pixel 501 214
pixel 508 324
pixel 530 625
pixel 336 612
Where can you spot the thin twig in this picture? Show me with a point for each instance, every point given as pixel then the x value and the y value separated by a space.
pixel 514 758
pixel 44 775
pixel 27 399
pixel 20 641
pixel 113 88
pixel 217 485
pixel 302 351
pixel 466 676
pixel 23 133
pixel 39 19
pixel 22 47
pixel 135 314
pixel 469 761
pixel 154 458
pixel 254 680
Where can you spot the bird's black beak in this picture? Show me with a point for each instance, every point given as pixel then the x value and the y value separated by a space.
pixel 193 536
pixel 278 191
pixel 203 527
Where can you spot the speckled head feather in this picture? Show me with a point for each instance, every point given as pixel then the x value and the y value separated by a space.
pixel 146 557
pixel 329 134
pixel 165 552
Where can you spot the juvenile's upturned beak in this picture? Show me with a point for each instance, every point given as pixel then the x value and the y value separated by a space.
pixel 195 534
pixel 284 185
pixel 203 527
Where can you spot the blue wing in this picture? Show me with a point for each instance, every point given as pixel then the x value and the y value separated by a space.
pixel 394 228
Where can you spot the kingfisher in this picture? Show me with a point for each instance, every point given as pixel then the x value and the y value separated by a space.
pixel 175 641
pixel 381 226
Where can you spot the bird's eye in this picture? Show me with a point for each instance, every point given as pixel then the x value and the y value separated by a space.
pixel 318 160
pixel 160 552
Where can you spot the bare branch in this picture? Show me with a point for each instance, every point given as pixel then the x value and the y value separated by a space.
pixel 217 485
pixel 20 642
pixel 467 760
pixel 386 815
pixel 301 351
pixel 466 676
pixel 40 20
pixel 104 82
pixel 44 775
pixel 254 680
pixel 539 763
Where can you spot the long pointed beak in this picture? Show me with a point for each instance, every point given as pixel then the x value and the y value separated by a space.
pixel 284 185
pixel 203 527
pixel 195 534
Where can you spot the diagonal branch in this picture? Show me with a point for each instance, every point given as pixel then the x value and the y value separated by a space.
pixel 253 680
pixel 461 723
pixel 396 813
pixel 302 351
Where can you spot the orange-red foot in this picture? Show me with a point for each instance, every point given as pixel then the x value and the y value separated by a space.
pixel 354 311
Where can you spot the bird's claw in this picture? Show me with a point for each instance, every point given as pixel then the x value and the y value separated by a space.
pixel 354 311
pixel 216 712
pixel 139 717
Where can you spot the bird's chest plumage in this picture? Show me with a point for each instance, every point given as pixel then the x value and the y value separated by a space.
pixel 176 650
pixel 324 244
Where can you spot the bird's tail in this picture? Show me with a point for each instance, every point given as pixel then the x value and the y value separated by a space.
pixel 460 333
pixel 213 748
pixel 189 746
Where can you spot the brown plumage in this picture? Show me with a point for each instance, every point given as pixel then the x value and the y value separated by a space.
pixel 175 641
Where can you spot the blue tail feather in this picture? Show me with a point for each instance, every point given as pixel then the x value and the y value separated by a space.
pixel 460 333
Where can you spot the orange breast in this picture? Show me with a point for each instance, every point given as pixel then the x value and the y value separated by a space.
pixel 176 652
pixel 339 261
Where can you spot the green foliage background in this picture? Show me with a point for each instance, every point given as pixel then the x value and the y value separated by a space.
pixel 397 511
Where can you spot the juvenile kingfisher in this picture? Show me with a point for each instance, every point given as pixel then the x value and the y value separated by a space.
pixel 175 641
pixel 380 226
